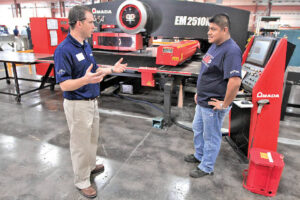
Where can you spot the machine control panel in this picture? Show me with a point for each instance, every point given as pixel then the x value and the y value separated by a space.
pixel 251 74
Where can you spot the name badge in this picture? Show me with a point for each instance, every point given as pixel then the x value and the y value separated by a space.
pixel 79 57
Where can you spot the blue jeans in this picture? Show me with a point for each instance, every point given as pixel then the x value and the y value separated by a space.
pixel 207 126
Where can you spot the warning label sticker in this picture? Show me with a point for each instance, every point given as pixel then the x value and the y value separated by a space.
pixel 264 155
pixel 267 156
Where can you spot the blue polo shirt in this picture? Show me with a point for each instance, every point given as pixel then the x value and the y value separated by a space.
pixel 220 63
pixel 72 59
pixel 16 32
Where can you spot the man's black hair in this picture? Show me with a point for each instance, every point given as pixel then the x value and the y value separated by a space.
pixel 221 20
pixel 77 13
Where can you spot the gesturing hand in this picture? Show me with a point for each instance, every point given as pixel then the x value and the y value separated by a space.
pixel 119 67
pixel 93 77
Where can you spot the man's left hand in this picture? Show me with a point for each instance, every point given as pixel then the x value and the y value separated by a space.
pixel 216 103
pixel 119 67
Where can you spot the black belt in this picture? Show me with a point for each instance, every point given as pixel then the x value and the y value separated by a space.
pixel 91 99
pixel 88 99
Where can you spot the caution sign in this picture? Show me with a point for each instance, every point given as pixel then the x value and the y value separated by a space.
pixel 267 156
pixel 264 155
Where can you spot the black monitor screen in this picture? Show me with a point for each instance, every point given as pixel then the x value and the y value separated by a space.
pixel 260 51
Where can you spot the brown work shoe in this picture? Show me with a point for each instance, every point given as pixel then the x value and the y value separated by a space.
pixel 89 192
pixel 98 169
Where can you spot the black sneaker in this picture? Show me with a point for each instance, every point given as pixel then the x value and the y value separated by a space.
pixel 191 159
pixel 197 173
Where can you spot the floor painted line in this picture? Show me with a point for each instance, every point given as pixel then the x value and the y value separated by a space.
pixel 119 113
pixel 290 123
pixel 190 125
pixel 126 161
pixel 288 141
pixel 124 114
pixel 185 123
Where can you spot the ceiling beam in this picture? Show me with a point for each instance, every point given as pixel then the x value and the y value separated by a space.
pixel 254 8
pixel 9 2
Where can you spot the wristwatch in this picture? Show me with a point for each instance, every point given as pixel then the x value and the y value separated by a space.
pixel 221 104
pixel 112 70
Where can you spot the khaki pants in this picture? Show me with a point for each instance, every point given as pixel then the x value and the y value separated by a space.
pixel 83 121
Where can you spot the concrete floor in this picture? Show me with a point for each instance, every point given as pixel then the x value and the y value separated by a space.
pixel 141 162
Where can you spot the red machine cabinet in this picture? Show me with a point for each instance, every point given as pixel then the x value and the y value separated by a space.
pixel 46 34
pixel 263 175
pixel 263 128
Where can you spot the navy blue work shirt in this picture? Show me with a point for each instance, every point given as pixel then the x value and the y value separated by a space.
pixel 16 32
pixel 71 60
pixel 220 63
pixel 28 32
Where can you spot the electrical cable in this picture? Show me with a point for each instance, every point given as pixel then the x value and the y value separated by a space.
pixel 181 125
pixel 155 107
pixel 159 109
pixel 139 101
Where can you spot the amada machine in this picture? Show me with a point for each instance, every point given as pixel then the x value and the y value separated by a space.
pixel 162 41
pixel 254 119
pixel 159 39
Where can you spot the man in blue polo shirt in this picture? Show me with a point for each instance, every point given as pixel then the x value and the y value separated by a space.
pixel 218 83
pixel 16 31
pixel 78 76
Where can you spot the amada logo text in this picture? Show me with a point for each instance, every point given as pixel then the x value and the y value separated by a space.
pixel 95 11
pixel 262 95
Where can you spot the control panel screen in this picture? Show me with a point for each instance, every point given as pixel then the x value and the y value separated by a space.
pixel 260 51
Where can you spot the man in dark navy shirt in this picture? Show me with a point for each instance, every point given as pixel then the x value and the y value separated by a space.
pixel 218 83
pixel 16 31
pixel 78 76
pixel 28 30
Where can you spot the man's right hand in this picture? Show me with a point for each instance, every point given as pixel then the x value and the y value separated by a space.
pixel 91 77
pixel 195 98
